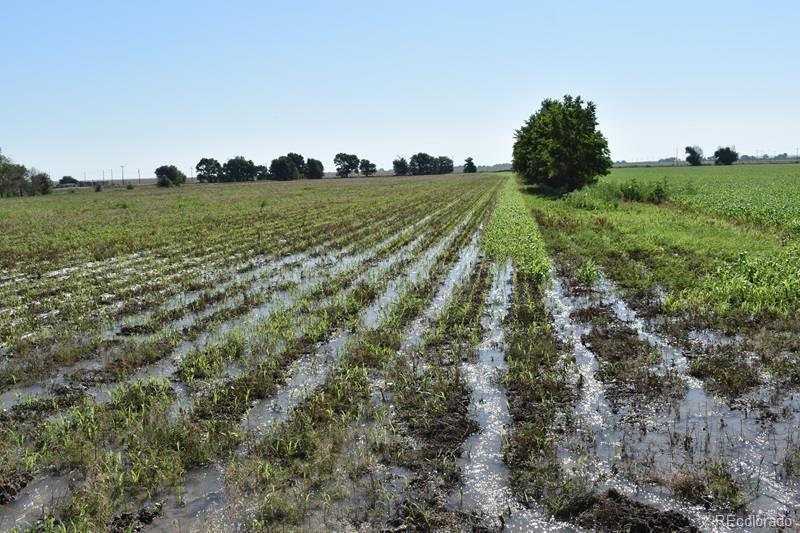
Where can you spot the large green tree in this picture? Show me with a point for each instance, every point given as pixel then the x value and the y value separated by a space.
pixel 209 170
pixel 725 156
pixel 694 155
pixel 400 166
pixel 444 165
pixel 13 179
pixel 314 169
pixel 560 145
pixel 299 162
pixel 169 176
pixel 421 164
pixel 283 169
pixel 239 169
pixel 469 166
pixel 41 183
pixel 346 164
pixel 367 168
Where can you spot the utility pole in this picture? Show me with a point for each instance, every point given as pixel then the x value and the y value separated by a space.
pixel 122 167
pixel 112 177
pixel 139 172
pixel 104 176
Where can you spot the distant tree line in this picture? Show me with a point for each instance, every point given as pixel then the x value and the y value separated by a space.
pixel 294 166
pixel 291 166
pixel 422 164
pixel 18 180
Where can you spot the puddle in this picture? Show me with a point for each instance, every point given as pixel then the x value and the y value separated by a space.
pixel 484 474
pixel 37 499
pixel 668 438
pixel 205 504
pixel 304 376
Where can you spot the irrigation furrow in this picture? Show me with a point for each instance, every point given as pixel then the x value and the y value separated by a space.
pixel 485 486
pixel 293 275
pixel 316 371
pixel 681 442
pixel 306 375
pixel 185 265
pixel 164 368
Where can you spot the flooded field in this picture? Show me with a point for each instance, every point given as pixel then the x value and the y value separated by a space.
pixel 401 354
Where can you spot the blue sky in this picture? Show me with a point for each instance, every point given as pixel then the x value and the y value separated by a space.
pixel 91 85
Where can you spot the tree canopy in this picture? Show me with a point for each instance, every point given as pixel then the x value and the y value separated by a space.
pixel 725 156
pixel 283 169
pixel 239 169
pixel 400 166
pixel 169 176
pixel 695 155
pixel 346 164
pixel 17 180
pixel 209 170
pixel 421 164
pixel 299 162
pixel 560 145
pixel 469 166
pixel 367 168
pixel 314 169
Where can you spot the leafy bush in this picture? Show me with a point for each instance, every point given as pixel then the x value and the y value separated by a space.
pixel 605 194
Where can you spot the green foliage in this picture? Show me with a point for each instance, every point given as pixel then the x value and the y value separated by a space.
pixel 346 164
pixel 725 156
pixel 169 176
pixel 695 155
pixel 606 194
pixel 299 162
pixel 238 169
pixel 284 169
pixel 16 180
pixel 400 166
pixel 764 195
pixel 749 285
pixel 469 166
pixel 68 180
pixel 512 233
pixel 41 183
pixel 560 145
pixel 422 164
pixel 209 170
pixel 314 169
pixel 366 167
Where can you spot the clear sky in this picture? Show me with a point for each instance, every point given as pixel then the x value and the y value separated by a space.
pixel 92 85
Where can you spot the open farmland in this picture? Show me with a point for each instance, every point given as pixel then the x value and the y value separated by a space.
pixel 448 352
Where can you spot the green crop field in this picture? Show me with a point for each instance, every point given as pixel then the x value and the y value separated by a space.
pixel 454 352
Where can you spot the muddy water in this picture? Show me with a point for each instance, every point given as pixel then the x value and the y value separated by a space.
pixel 303 377
pixel 205 496
pixel 637 451
pixel 40 496
pixel 305 274
pixel 485 488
